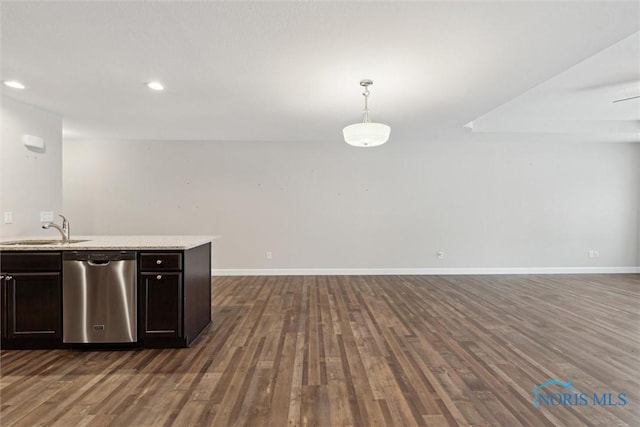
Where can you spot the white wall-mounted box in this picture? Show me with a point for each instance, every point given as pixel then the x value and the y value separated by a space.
pixel 32 141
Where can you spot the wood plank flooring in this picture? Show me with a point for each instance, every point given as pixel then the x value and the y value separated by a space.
pixel 360 351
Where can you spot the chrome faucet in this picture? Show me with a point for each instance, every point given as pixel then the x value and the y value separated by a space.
pixel 64 229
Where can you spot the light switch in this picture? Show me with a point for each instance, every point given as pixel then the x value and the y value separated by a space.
pixel 46 216
pixel 8 217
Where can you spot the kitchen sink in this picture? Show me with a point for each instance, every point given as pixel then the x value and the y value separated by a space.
pixel 40 242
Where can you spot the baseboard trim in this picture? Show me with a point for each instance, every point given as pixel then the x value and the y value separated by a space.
pixel 418 271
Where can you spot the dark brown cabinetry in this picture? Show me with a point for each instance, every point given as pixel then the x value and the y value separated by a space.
pixel 31 300
pixel 160 295
pixel 175 296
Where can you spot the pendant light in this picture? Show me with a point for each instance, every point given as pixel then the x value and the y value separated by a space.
pixel 366 134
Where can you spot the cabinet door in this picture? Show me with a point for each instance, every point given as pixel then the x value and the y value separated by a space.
pixel 3 307
pixel 34 305
pixel 161 304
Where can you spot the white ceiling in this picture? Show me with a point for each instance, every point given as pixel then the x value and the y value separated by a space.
pixel 289 71
pixel 600 95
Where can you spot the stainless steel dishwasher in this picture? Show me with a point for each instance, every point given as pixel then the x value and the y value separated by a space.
pixel 99 297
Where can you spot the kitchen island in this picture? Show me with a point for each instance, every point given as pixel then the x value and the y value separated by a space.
pixel 171 294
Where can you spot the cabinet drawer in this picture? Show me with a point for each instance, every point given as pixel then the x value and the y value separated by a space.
pixel 160 261
pixel 31 261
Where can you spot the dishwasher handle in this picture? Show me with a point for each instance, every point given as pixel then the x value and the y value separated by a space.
pixel 99 262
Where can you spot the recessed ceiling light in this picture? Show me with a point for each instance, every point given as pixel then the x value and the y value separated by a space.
pixel 14 84
pixel 155 86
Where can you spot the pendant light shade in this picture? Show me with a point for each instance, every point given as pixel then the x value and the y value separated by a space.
pixel 366 134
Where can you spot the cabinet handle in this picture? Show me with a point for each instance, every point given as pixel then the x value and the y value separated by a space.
pixel 2 277
pixel 158 261
pixel 159 277
pixel 9 278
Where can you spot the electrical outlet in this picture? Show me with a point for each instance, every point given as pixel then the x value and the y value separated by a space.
pixel 593 253
pixel 440 255
pixel 268 255
pixel 46 216
pixel 8 217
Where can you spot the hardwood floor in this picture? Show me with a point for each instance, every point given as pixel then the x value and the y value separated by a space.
pixel 361 351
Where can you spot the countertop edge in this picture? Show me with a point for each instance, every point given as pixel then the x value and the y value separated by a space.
pixel 105 243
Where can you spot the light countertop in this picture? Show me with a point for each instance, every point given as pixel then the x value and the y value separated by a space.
pixel 89 243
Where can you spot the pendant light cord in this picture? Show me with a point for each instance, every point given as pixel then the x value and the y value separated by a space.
pixel 365 112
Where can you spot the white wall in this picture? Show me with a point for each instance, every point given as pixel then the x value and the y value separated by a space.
pixel 328 205
pixel 31 181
